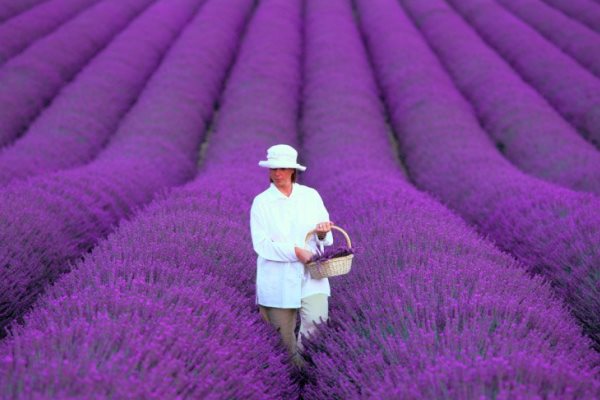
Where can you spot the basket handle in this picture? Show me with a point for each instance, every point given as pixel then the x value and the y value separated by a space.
pixel 332 227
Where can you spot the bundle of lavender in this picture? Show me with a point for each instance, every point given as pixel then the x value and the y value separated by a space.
pixel 331 262
pixel 330 253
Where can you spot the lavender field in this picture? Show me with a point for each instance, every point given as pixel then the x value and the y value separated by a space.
pixel 456 141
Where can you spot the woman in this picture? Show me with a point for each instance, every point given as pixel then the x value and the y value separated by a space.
pixel 280 218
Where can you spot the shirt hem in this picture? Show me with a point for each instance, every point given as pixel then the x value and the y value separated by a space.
pixel 289 308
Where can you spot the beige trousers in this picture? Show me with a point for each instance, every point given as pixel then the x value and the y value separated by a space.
pixel 313 308
pixel 284 320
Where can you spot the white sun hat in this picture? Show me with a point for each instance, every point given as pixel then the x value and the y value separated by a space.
pixel 281 156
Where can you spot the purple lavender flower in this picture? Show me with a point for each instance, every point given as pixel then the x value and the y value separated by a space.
pixel 32 78
pixel 430 309
pixel 49 221
pixel 570 36
pixel 10 8
pixel 82 117
pixel 527 130
pixel 553 231
pixel 35 23
pixel 571 89
pixel 164 307
pixel 586 11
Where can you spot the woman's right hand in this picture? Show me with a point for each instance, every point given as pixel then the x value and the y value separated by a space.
pixel 303 255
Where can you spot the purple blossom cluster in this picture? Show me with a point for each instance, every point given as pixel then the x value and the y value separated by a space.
pixel 49 221
pixel 430 309
pixel 571 89
pixel 524 127
pixel 164 307
pixel 82 117
pixel 552 230
pixel 32 78
pixel 35 23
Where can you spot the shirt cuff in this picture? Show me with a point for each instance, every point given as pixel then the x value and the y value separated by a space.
pixel 292 252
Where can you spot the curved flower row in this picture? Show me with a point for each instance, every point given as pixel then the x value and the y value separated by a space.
pixel 142 328
pixel 586 11
pixel 571 89
pixel 33 78
pixel 429 309
pixel 523 125
pixel 52 219
pixel 177 256
pixel 11 8
pixel 552 230
pixel 81 118
pixel 570 36
pixel 35 23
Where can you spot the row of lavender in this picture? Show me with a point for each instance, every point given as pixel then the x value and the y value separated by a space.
pixel 86 112
pixel 570 36
pixel 36 23
pixel 50 220
pixel 220 155
pixel 455 291
pixel 11 8
pixel 33 77
pixel 585 11
pixel 15 165
pixel 552 230
pixel 163 308
pixel 574 166
pixel 429 310
pixel 571 89
pixel 528 131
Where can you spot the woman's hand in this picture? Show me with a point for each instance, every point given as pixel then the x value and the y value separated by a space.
pixel 322 228
pixel 303 255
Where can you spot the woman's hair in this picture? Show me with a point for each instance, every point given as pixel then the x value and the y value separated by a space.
pixel 294 174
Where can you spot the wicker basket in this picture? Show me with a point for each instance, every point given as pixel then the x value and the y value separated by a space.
pixel 332 267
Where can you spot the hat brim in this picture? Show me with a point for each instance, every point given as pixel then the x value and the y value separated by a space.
pixel 267 164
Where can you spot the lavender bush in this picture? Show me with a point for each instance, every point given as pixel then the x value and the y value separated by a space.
pixel 142 329
pixel 579 41
pixel 81 118
pixel 33 78
pixel 35 23
pixel 50 220
pixel 11 8
pixel 586 11
pixel 552 230
pixel 429 310
pixel 523 125
pixel 198 233
pixel 572 90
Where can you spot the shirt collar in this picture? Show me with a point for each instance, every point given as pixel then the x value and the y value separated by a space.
pixel 278 195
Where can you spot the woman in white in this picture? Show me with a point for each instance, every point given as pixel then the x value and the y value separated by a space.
pixel 280 218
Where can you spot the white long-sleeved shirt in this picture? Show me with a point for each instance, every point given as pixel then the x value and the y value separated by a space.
pixel 278 224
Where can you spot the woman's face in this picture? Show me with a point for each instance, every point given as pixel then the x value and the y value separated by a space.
pixel 281 176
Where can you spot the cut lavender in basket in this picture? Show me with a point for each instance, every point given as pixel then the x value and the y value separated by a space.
pixel 329 254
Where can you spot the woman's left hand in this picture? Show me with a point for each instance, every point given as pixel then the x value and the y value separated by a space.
pixel 323 227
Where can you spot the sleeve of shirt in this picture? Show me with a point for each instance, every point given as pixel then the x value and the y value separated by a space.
pixel 323 216
pixel 262 243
